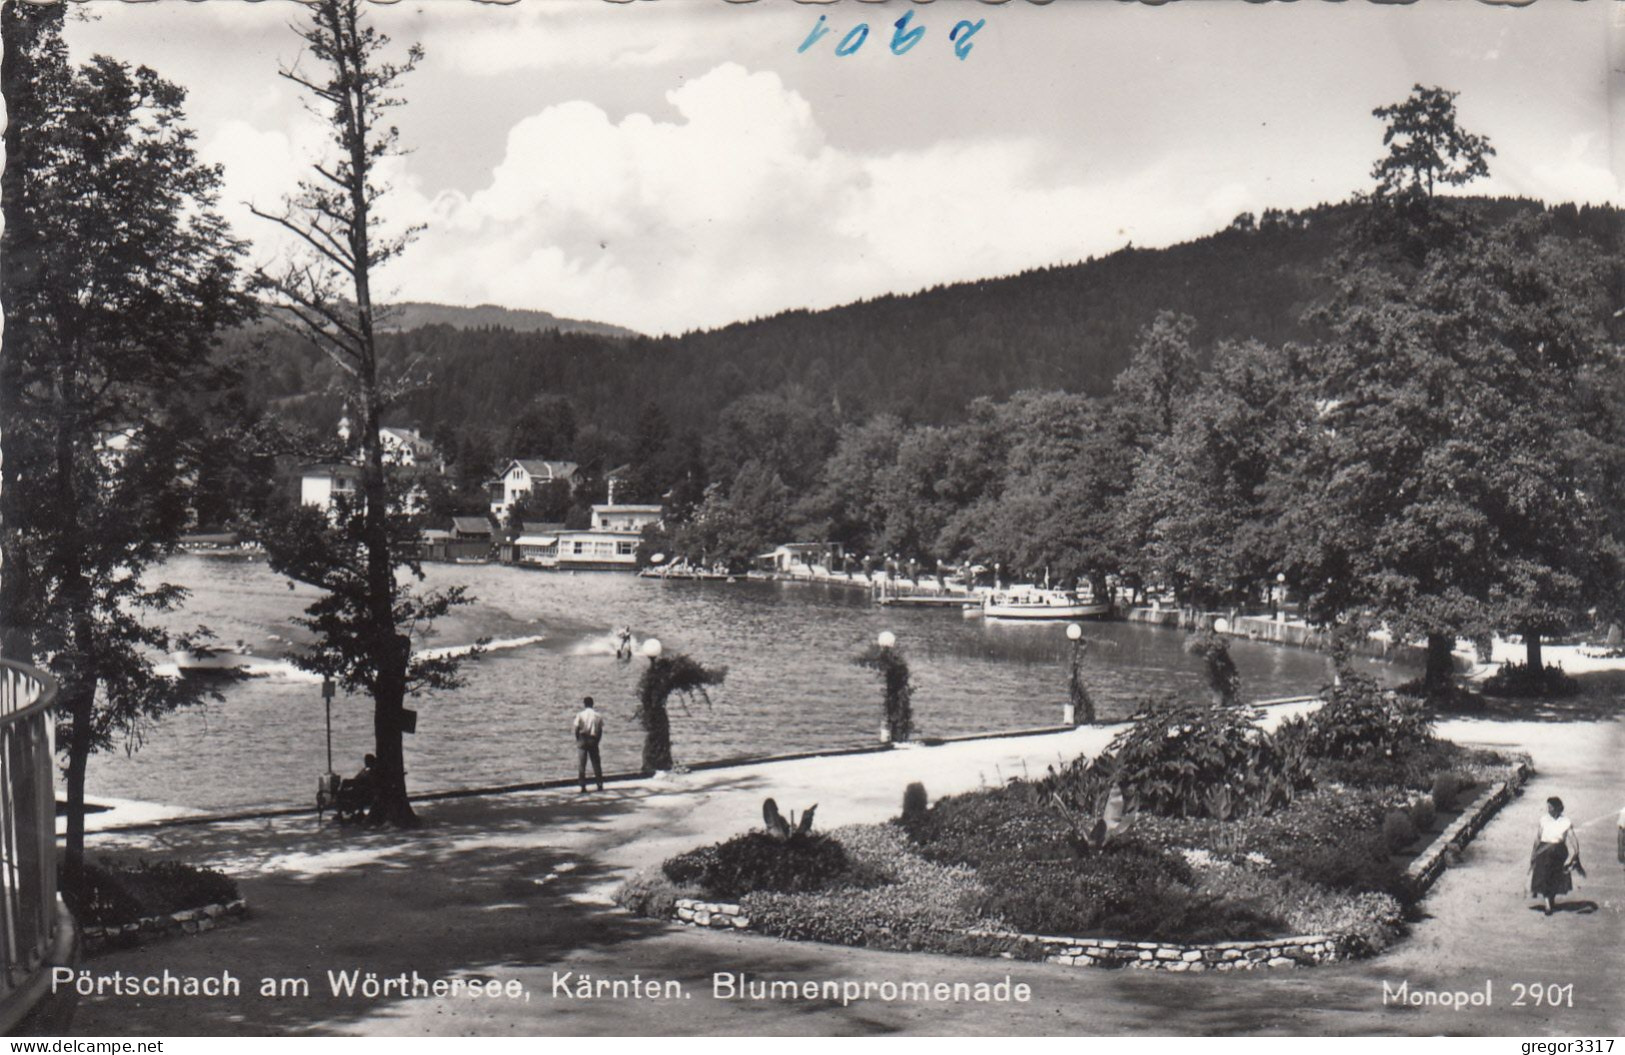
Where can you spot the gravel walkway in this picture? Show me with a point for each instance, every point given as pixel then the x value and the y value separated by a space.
pixel 515 887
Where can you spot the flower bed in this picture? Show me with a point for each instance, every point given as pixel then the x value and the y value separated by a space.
pixel 1342 940
pixel 127 904
pixel 1247 849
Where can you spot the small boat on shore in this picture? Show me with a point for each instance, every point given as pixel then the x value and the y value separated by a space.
pixel 684 570
pixel 955 601
pixel 1032 602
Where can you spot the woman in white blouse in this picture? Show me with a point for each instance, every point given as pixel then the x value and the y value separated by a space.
pixel 1555 855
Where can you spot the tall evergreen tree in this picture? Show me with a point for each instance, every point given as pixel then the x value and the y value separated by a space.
pixel 365 618
pixel 119 276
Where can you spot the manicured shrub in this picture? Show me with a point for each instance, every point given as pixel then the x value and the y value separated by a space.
pixel 689 869
pixel 1359 720
pixel 1519 680
pixel 114 894
pixel 1223 680
pixel 1446 786
pixel 651 894
pixel 100 900
pixel 664 676
pixel 1008 858
pixel 1398 830
pixel 759 861
pixel 1423 814
pixel 915 803
pixel 897 692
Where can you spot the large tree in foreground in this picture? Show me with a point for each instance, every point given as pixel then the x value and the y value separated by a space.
pixel 1444 489
pixel 118 276
pixel 361 554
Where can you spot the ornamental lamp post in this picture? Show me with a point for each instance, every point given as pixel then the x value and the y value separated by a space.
pixel 1077 697
pixel 651 648
pixel 887 641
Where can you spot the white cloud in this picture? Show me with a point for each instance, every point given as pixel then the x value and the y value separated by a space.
pixel 660 224
pixel 1582 172
pixel 740 207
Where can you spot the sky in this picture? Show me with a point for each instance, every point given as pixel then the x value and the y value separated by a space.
pixel 669 165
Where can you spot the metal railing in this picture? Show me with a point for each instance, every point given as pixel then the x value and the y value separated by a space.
pixel 28 901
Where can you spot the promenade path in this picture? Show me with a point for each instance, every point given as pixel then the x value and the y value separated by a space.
pixel 516 886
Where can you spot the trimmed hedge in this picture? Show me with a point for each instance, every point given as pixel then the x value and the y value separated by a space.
pixel 1518 680
pixel 113 894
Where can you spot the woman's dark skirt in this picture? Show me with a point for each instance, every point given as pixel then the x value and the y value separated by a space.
pixel 1551 878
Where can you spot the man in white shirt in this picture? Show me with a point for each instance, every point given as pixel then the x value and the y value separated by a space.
pixel 589 729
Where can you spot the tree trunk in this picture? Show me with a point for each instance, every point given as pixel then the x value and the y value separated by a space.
pixel 392 650
pixel 1531 644
pixel 1440 672
pixel 392 807
pixel 78 702
pixel 78 692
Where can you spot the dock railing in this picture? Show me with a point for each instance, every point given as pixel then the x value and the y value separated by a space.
pixel 29 917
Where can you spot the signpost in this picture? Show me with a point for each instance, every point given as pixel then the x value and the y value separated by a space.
pixel 327 785
pixel 327 701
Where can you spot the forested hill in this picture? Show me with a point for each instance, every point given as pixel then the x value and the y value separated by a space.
pixel 414 315
pixel 923 355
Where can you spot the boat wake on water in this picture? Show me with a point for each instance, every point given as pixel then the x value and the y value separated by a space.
pixel 602 644
pixel 499 645
pixel 249 666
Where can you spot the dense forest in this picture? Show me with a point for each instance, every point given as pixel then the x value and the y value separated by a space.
pixel 922 357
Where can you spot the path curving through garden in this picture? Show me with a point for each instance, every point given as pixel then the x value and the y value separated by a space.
pixel 515 887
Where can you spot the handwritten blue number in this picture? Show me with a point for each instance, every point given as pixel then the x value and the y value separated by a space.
pixel 962 47
pixel 903 38
pixel 853 40
pixel 819 32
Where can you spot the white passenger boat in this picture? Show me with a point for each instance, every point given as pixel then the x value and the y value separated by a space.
pixel 1032 602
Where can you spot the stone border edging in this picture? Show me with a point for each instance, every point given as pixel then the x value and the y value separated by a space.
pixel 718 914
pixel 1306 950
pixel 1423 872
pixel 152 928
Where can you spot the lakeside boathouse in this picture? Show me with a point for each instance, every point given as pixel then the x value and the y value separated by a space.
pixel 609 544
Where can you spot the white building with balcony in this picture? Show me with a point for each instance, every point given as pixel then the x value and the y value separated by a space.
pixel 520 477
pixel 610 544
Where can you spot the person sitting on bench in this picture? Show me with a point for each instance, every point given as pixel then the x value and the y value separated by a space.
pixel 356 795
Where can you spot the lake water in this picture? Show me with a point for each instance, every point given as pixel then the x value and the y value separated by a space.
pixel 791 682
